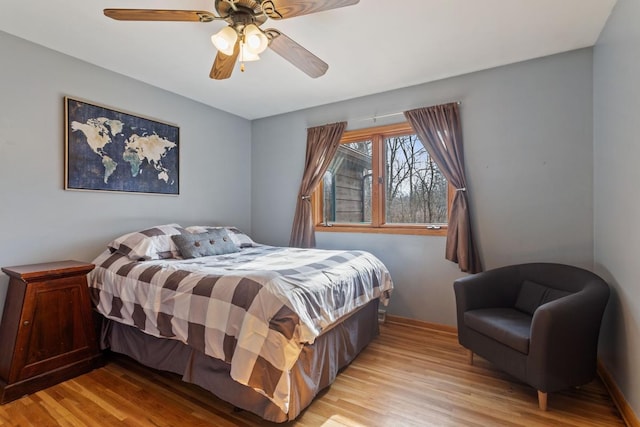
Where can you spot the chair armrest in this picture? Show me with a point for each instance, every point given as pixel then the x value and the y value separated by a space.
pixel 564 340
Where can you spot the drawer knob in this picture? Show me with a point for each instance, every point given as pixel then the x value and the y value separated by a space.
pixel 26 323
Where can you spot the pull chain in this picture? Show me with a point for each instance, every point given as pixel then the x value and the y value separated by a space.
pixel 242 54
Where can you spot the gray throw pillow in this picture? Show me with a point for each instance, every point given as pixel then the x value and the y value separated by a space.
pixel 213 242
pixel 239 238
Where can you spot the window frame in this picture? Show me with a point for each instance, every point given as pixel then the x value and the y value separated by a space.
pixel 377 136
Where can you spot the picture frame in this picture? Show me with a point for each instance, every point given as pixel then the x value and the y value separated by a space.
pixel 115 151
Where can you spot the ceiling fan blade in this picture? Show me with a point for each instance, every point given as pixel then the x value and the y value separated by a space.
pixel 159 15
pixel 281 9
pixel 223 65
pixel 296 54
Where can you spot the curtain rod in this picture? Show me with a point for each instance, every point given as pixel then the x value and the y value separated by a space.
pixel 383 116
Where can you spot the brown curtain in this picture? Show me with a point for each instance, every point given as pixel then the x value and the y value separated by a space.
pixel 440 131
pixel 322 144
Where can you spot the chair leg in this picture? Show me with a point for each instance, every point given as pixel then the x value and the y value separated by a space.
pixel 542 400
pixel 470 357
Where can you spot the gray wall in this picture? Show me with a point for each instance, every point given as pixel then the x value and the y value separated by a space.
pixel 616 179
pixel 39 221
pixel 529 155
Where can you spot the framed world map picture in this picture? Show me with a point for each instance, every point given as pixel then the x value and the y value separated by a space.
pixel 110 150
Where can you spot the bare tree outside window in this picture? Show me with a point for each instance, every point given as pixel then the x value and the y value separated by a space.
pixel 416 190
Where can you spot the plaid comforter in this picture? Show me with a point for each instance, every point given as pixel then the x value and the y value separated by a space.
pixel 254 309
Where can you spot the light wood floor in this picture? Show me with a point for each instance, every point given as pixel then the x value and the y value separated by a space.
pixel 407 377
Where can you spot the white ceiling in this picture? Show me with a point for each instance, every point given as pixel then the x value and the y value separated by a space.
pixel 371 47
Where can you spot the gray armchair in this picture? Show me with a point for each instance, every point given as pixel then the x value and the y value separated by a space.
pixel 538 322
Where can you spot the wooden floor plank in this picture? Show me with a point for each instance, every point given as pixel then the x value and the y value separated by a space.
pixel 409 376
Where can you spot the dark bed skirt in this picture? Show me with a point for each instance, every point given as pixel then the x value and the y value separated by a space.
pixel 315 369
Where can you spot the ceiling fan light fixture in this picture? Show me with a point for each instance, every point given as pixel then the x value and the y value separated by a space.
pixel 255 40
pixel 225 40
pixel 242 39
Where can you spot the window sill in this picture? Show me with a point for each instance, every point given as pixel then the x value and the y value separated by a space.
pixel 387 229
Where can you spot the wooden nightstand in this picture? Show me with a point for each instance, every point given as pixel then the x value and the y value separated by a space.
pixel 47 334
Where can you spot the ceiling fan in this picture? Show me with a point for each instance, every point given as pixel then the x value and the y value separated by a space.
pixel 243 38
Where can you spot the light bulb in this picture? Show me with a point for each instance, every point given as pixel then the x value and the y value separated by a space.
pixel 225 40
pixel 255 40
pixel 223 44
pixel 246 54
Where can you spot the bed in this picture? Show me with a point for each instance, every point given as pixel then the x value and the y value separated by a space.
pixel 264 328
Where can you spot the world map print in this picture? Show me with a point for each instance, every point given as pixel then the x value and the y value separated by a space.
pixel 115 151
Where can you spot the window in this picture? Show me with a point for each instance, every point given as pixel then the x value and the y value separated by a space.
pixel 383 180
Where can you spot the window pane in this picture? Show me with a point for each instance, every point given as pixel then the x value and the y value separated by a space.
pixel 416 190
pixel 347 185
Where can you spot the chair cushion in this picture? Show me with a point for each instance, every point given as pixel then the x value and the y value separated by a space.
pixel 532 295
pixel 508 326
